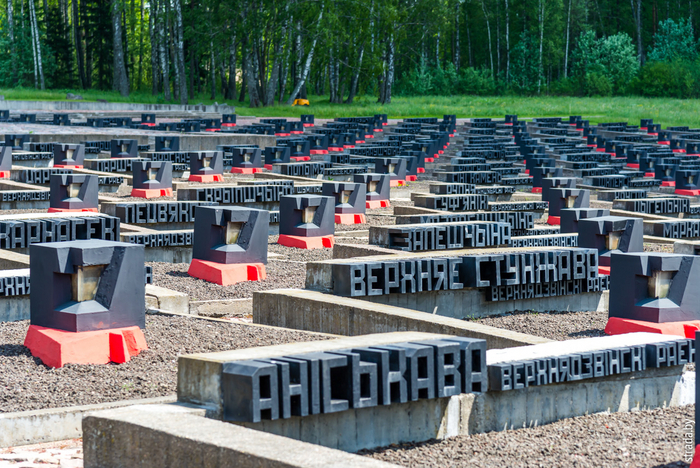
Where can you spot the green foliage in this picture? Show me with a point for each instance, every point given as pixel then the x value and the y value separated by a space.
pixel 678 79
pixel 445 81
pixel 604 65
pixel 674 41
pixel 524 72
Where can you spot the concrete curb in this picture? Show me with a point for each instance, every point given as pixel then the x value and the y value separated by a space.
pixel 48 425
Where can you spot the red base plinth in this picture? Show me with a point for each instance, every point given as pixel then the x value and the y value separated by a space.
pixel 411 178
pixel 308 125
pixel 67 166
pixel 226 274
pixel 600 150
pixel 678 151
pixel 536 189
pixel 633 166
pixel 350 218
pixel 374 204
pixel 297 132
pixel 73 210
pixel 151 193
pixel 282 134
pixel 348 146
pixel 591 146
pixel 206 178
pixel 318 152
pixel 429 159
pixel 619 326
pixel 228 124
pixel 690 193
pixel 57 348
pixel 359 141
pixel 212 129
pixel 527 171
pixel 336 149
pixel 397 183
pixel 4 174
pixel 604 270
pixel 300 158
pixel 650 174
pixel 268 167
pixel 668 184
pixel 378 130
pixel 245 170
pixel 421 170
pixel 309 243
pixel 664 142
pixel 369 136
pixel 441 152
pixel 554 220
pixel 148 124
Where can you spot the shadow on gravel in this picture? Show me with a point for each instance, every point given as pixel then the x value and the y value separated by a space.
pixel 677 464
pixel 590 333
pixel 178 274
pixel 14 350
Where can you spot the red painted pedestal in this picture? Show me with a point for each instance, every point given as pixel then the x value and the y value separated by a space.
pixel 56 348
pixel 226 274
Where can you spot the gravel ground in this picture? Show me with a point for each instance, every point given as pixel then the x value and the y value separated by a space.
pixel 553 325
pixel 653 247
pixel 650 438
pixel 26 384
pixel 14 212
pixel 281 273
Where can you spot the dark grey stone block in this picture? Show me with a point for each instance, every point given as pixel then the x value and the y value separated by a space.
pixel 152 175
pixel 611 234
pixel 230 234
pixel 74 191
pixel 124 149
pixel 206 163
pixel 349 197
pixel 307 215
pixel 68 155
pixel 655 287
pixel 87 285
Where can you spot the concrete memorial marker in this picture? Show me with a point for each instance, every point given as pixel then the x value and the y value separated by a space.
pixel 5 161
pixel 68 156
pixel 688 182
pixel 611 234
pixel 378 189
pixel 88 302
pixel 277 155
pixel 395 168
pixel 124 149
pixel 350 201
pixel 230 245
pixel 570 217
pixel 307 221
pixel 654 292
pixel 561 198
pixel 206 166
pixel 167 143
pixel 74 192
pixel 280 387
pixel 246 160
pixel 445 236
pixel 152 179
pixel 16 141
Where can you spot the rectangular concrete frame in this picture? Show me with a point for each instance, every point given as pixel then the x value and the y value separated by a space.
pixel 460 303
pixel 353 430
pixel 176 436
pixel 300 309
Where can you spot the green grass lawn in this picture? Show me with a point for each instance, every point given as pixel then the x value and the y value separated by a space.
pixel 629 109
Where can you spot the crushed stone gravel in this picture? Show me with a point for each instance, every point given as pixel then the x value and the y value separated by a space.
pixel 640 439
pixel 553 325
pixel 26 384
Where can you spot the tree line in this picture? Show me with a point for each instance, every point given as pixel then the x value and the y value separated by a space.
pixel 270 52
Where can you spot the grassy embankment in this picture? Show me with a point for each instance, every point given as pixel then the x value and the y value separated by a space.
pixel 630 109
